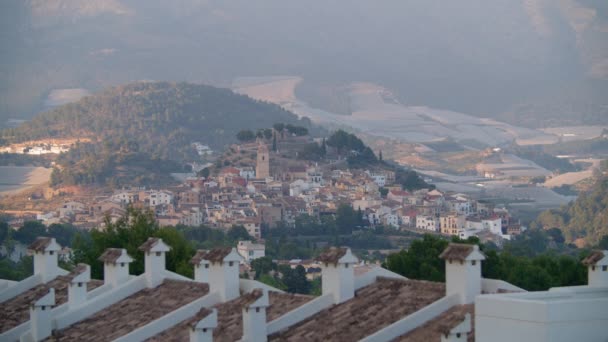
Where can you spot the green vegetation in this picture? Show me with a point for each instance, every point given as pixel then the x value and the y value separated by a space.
pixel 587 217
pixel 410 180
pixel 112 164
pixel 348 145
pixel 147 127
pixel 283 276
pixel 162 118
pixel 421 261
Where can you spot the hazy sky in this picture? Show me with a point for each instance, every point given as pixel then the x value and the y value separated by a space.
pixel 477 56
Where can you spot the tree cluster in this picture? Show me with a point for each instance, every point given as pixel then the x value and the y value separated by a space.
pixel 586 217
pixel 541 272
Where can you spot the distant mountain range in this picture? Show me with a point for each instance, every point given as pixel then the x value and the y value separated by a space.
pixel 530 62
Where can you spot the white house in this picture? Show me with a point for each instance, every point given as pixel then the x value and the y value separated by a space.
pixel 246 172
pixel 427 223
pixel 251 251
pixel 158 197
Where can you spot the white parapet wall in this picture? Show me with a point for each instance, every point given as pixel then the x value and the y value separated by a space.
pixel 565 314
pixel 101 302
pixel 300 313
pixel 494 285
pixel 370 277
pixel 20 287
pixel 411 322
pixel 248 285
pixel 171 319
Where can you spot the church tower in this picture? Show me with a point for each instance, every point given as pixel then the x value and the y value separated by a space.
pixel 262 167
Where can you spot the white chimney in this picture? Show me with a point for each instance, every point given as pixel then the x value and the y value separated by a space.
pixel 45 251
pixel 201 267
pixel 154 252
pixel 254 316
pixel 219 268
pixel 338 277
pixel 115 266
pixel 202 325
pixel 40 316
pixel 597 265
pixel 463 271
pixel 459 333
pixel 77 289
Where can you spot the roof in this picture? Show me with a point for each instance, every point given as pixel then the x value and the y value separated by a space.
pixel 16 310
pixel 113 255
pixel 373 308
pixel 44 244
pixel 442 324
pixel 230 317
pixel 154 245
pixel 461 251
pixel 593 258
pixel 214 255
pixel 202 313
pixel 133 312
pixel 332 255
pixel 198 257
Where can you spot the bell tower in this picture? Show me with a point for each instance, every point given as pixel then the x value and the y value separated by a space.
pixel 262 167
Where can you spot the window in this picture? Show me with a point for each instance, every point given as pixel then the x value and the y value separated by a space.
pixel 231 263
pixel 257 309
pixel 157 253
pixel 79 284
pixel 206 265
pixel 346 265
pixel 604 268
pixel 474 262
pixel 593 268
pixel 51 252
pixel 122 264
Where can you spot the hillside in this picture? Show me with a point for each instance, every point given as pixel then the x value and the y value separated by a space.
pixel 161 118
pixel 585 218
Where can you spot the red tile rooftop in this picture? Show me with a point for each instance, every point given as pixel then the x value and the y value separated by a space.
pixel 15 311
pixel 230 317
pixel 442 324
pixel 133 312
pixel 373 308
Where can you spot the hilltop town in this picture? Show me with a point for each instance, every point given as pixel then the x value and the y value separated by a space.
pixel 281 175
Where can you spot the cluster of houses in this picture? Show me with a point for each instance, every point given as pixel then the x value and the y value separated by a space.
pixel 357 303
pixel 238 196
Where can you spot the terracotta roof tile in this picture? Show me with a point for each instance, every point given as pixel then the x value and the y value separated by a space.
pixel 110 255
pixel 147 246
pixel 214 255
pixel 332 255
pixel 133 312
pixel 373 308
pixel 251 297
pixel 16 310
pixel 593 258
pixel 198 257
pixel 40 244
pixel 230 318
pixel 442 324
pixel 457 251
pixel 78 270
pixel 202 313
